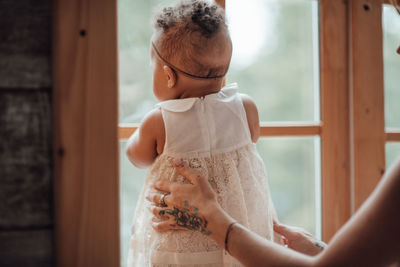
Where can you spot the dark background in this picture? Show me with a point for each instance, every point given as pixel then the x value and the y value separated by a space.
pixel 26 219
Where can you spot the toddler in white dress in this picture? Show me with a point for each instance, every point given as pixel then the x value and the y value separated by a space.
pixel 203 122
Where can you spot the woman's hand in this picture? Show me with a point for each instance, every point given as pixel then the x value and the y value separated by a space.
pixel 187 205
pixel 299 240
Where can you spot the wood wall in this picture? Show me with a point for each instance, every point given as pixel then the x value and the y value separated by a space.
pixel 26 220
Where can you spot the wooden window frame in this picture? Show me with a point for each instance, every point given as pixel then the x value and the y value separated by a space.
pixel 86 169
pixel 86 132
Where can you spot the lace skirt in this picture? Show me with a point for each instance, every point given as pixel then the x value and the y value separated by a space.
pixel 240 181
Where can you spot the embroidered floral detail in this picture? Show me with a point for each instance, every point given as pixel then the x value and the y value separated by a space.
pixel 194 163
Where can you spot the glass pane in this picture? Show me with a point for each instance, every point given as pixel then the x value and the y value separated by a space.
pixel 275 56
pixel 131 182
pixel 392 153
pixel 289 43
pixel 391 40
pixel 135 81
pixel 293 167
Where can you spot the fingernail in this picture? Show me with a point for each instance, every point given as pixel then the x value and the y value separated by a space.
pixel 178 162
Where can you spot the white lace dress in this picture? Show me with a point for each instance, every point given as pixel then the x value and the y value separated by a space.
pixel 212 135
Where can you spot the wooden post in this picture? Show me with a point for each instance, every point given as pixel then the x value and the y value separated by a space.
pixel 220 3
pixel 335 138
pixel 86 187
pixel 367 97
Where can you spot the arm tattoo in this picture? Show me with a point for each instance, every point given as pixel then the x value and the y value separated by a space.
pixel 188 217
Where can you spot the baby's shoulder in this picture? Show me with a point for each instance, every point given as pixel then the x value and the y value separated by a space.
pixel 153 122
pixel 252 116
pixel 249 104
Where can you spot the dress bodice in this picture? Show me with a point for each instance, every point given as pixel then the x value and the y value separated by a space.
pixel 205 126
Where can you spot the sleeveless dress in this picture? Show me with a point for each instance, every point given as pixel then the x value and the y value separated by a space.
pixel 211 133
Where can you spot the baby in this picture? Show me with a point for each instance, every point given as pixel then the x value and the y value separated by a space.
pixel 207 124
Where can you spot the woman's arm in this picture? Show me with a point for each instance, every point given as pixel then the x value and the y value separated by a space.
pixel 370 238
pixel 148 140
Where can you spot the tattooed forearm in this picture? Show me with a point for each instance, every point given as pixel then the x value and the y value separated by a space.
pixel 188 217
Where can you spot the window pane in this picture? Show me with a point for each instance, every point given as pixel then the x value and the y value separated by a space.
pixel 392 153
pixel 131 182
pixel 293 167
pixel 291 95
pixel 275 56
pixel 135 81
pixel 391 40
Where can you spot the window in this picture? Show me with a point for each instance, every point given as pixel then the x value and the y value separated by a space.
pixel 391 60
pixel 341 131
pixel 287 96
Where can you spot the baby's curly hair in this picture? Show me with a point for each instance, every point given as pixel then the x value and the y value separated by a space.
pixel 189 31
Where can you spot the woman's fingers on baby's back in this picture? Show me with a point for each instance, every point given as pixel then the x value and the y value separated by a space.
pixel 162 185
pixel 153 197
pixel 184 169
pixel 162 226
pixel 159 212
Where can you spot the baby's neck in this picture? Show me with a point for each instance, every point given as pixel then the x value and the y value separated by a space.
pixel 198 90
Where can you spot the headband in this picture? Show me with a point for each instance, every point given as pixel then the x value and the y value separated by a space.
pixel 184 72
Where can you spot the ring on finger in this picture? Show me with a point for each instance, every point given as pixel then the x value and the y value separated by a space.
pixel 162 201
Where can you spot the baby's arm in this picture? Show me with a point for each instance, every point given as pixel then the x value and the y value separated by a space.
pixel 148 140
pixel 252 117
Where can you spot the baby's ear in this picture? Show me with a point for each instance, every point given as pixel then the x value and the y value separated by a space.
pixel 170 75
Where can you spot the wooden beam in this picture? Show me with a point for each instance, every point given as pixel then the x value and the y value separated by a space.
pixel 335 153
pixel 126 130
pixel 392 136
pixel 86 188
pixel 289 130
pixel 221 3
pixel 367 97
